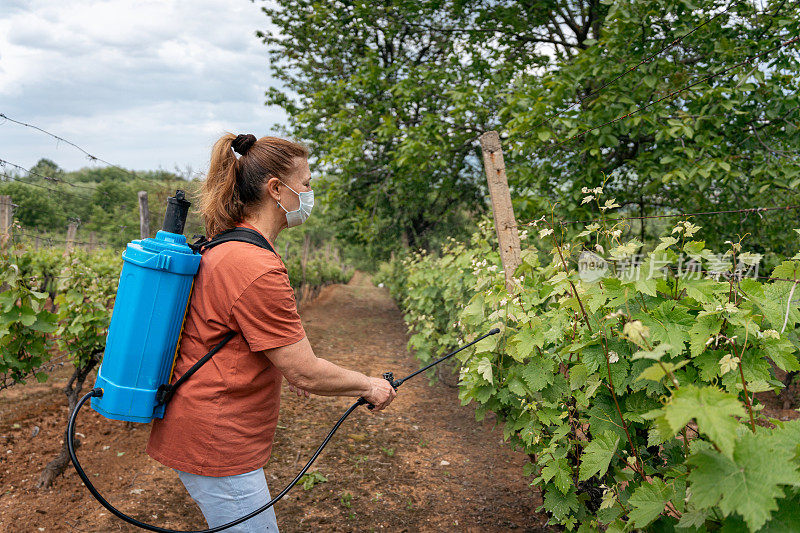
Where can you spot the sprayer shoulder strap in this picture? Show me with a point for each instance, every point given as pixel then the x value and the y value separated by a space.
pixel 165 392
pixel 234 234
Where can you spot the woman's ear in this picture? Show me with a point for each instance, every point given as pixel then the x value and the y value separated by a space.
pixel 272 188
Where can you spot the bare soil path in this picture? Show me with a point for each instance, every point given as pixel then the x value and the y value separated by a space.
pixel 424 464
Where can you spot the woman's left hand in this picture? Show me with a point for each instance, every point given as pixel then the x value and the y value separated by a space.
pixel 300 392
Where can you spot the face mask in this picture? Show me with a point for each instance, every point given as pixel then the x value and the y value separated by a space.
pixel 299 215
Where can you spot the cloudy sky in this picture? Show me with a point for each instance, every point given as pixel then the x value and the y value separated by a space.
pixel 145 84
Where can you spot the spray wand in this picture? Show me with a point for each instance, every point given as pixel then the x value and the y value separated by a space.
pixel 98 392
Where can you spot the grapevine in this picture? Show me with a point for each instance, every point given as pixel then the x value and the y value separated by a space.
pixel 632 386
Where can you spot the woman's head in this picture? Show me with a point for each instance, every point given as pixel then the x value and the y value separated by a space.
pixel 236 187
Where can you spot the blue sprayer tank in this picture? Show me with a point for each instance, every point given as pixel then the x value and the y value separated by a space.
pixel 146 322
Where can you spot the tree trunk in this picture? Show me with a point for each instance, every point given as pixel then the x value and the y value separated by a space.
pixel 73 390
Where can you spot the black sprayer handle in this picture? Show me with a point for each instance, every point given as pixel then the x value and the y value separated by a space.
pixel 388 376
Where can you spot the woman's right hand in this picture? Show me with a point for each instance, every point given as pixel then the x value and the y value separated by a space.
pixel 381 393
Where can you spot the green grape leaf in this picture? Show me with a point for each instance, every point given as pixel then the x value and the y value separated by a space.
pixel 655 372
pixel 787 437
pixel 670 324
pixel 782 352
pixel 648 501
pixel 484 368
pixel 646 285
pixel 44 323
pixel 521 344
pixel 655 354
pixel 560 473
pixel 558 503
pixel 713 410
pixel 786 517
pixel 597 455
pixel 693 518
pixel 538 373
pixel 593 357
pixel 702 289
pixel 749 483
pixel 787 269
pixel 27 316
pixel 703 328
pixel 516 385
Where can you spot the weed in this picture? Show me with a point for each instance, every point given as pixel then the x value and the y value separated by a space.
pixel 347 499
pixel 311 479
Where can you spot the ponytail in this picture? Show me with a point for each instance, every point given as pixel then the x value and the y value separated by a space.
pixel 234 186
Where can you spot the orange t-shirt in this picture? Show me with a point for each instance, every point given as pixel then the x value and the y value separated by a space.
pixel 222 420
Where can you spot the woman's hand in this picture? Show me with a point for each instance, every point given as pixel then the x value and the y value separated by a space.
pixel 381 393
pixel 300 392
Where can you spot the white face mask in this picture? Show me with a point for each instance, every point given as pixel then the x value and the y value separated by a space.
pixel 299 215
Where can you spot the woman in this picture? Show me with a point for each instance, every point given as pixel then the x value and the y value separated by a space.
pixel 218 428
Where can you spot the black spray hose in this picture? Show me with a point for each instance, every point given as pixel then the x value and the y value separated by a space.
pixel 361 401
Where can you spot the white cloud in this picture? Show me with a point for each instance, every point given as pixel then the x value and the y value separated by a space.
pixel 139 83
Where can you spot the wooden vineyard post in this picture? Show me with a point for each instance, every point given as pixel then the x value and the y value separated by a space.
pixel 504 222
pixel 37 242
pixel 6 220
pixel 92 241
pixel 144 215
pixel 72 229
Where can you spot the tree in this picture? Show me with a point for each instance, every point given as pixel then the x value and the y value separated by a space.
pixel 36 207
pixel 378 102
pixel 728 142
pixel 392 97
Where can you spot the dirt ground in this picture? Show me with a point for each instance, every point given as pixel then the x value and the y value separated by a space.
pixel 424 464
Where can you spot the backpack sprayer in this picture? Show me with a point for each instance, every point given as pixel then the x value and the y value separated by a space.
pixel 133 381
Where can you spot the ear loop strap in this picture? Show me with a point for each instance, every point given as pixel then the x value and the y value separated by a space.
pixel 294 191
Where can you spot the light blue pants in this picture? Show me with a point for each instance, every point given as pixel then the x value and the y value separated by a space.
pixel 224 499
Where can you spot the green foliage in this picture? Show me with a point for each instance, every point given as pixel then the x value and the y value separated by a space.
pixel 392 97
pixel 433 317
pixel 85 299
pixel 313 478
pixel 82 285
pixel 623 383
pixel 388 451
pixel 346 499
pixel 705 149
pixel 25 326
pixel 597 455
pixel 395 151
pixel 101 200
pixel 319 271
pixel 749 482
